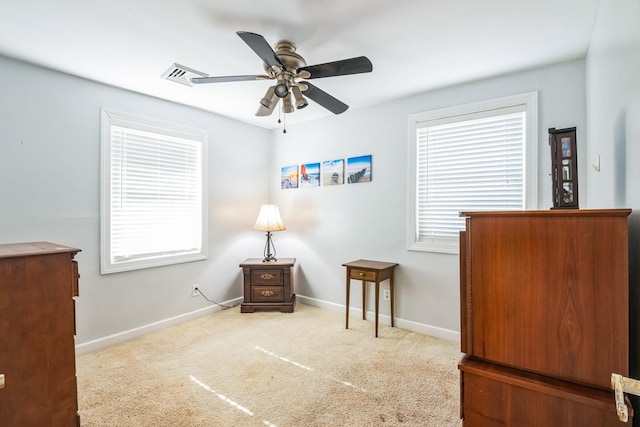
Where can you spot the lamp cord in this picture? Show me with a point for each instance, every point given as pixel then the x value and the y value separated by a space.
pixel 212 301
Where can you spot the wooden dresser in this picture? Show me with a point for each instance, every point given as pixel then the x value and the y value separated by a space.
pixel 544 316
pixel 268 285
pixel 37 326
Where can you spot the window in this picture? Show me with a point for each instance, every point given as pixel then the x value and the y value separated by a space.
pixel 153 201
pixel 480 156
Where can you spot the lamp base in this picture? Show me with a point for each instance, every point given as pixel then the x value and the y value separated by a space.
pixel 268 255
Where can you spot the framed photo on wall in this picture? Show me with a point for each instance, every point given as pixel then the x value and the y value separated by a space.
pixel 359 169
pixel 310 175
pixel 333 172
pixel 289 177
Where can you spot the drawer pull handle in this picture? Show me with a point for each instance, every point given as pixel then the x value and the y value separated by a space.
pixel 267 276
pixel 266 293
pixel 361 274
pixel 1 380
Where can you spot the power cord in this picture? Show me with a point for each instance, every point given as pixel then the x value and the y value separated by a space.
pixel 212 301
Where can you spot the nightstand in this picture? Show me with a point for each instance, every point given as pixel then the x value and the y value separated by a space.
pixel 268 285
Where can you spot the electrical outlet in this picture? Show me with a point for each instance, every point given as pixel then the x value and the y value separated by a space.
pixel 386 294
pixel 195 291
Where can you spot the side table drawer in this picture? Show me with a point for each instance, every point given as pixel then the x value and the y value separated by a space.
pixel 363 275
pixel 267 294
pixel 266 277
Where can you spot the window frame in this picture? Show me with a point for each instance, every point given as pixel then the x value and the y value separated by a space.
pixel 462 113
pixel 111 118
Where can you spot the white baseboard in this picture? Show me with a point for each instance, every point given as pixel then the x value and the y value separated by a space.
pixel 120 337
pixel 421 328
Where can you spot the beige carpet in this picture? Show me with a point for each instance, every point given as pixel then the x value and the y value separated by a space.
pixel 301 369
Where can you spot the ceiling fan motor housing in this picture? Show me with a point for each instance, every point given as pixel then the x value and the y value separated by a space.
pixel 286 52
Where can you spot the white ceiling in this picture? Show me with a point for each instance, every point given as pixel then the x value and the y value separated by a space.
pixel 414 45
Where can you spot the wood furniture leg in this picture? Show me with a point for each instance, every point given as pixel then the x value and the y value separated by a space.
pixel 346 326
pixel 377 304
pixel 391 296
pixel 364 299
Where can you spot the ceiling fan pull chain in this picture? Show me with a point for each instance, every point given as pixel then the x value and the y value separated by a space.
pixel 284 124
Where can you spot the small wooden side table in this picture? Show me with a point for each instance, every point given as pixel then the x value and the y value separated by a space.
pixel 370 271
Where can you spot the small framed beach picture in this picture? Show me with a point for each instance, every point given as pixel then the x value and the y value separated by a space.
pixel 310 175
pixel 333 172
pixel 359 169
pixel 289 177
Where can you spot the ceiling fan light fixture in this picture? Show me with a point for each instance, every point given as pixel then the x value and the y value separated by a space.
pixel 281 90
pixel 266 100
pixel 287 107
pixel 301 101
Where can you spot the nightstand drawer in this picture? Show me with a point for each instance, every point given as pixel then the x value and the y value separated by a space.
pixel 363 275
pixel 267 294
pixel 266 277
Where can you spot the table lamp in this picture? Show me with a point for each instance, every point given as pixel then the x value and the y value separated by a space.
pixel 269 220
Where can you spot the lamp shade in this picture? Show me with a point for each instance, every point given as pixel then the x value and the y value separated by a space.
pixel 269 219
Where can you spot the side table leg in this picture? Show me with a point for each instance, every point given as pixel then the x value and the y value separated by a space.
pixel 391 297
pixel 377 304
pixel 364 298
pixel 346 326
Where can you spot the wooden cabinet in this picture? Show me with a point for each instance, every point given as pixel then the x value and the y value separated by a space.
pixel 268 285
pixel 37 326
pixel 544 300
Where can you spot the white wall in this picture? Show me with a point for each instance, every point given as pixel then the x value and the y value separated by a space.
pixel 49 190
pixel 613 86
pixel 613 111
pixel 49 169
pixel 328 226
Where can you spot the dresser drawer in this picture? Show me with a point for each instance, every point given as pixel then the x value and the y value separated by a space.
pixel 267 294
pixel 266 277
pixel 363 275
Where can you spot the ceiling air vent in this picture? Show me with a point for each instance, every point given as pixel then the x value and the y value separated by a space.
pixel 181 74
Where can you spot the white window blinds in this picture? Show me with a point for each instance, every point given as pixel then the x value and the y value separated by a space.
pixel 466 162
pixel 153 203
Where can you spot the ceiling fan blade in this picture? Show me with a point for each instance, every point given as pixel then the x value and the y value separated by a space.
pixel 260 46
pixel 358 65
pixel 223 79
pixel 323 98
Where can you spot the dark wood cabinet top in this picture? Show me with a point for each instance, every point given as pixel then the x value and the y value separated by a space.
pixel 549 213
pixel 280 262
pixel 370 265
pixel 9 250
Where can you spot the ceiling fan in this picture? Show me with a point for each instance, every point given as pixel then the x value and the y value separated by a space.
pixel 287 68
